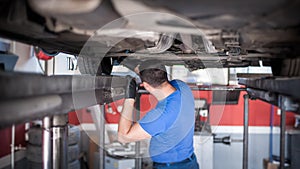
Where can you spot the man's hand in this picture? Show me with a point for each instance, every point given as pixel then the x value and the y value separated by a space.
pixel 131 89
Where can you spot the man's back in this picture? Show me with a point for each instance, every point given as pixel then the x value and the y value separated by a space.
pixel 171 125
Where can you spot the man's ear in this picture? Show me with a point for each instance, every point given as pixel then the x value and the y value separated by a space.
pixel 147 86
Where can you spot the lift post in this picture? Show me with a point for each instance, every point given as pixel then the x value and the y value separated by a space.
pixel 46 145
pixel 282 92
pixel 60 141
pixel 138 161
pixel 246 131
pixel 102 139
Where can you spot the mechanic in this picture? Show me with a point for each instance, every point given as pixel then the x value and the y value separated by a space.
pixel 170 125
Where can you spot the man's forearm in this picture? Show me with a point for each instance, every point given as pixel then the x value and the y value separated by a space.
pixel 127 130
pixel 125 122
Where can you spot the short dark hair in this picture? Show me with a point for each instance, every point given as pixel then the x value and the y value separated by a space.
pixel 153 73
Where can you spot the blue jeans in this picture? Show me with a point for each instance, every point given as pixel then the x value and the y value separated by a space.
pixel 189 163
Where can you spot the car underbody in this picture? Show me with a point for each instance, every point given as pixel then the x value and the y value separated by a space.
pixel 198 34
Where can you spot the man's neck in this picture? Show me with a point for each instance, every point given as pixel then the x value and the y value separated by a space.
pixel 163 91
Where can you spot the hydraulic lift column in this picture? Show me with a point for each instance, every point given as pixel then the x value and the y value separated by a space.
pixel 138 159
pixel 246 131
pixel 46 145
pixel 60 142
pixel 55 142
pixel 286 104
pixel 102 137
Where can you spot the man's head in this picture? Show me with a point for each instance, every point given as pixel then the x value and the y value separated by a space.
pixel 153 73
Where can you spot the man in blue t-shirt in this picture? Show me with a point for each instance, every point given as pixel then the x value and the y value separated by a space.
pixel 170 125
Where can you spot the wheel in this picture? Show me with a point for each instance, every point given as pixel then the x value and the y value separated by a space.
pixel 92 66
pixel 35 153
pixel 34 165
pixel 73 153
pixel 74 165
pixel 71 165
pixel 286 67
pixel 34 148
pixel 35 135
pixel 73 135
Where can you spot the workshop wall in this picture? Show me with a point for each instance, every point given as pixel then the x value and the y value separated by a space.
pixel 259 114
pixel 222 115
pixel 6 141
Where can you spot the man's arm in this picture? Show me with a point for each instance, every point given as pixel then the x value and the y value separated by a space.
pixel 127 131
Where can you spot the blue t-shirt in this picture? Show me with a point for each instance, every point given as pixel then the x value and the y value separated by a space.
pixel 171 125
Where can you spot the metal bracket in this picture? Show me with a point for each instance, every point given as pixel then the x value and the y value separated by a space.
pixel 288 104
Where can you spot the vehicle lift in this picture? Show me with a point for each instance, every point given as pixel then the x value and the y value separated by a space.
pixel 25 97
pixel 280 91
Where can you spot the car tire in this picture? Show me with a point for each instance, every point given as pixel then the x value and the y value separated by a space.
pixel 286 67
pixel 35 135
pixel 73 153
pixel 74 165
pixel 35 153
pixel 91 66
pixel 73 135
pixel 34 165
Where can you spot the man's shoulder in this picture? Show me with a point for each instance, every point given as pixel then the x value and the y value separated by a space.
pixel 183 88
pixel 178 83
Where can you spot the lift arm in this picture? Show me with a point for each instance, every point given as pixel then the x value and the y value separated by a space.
pixel 25 97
